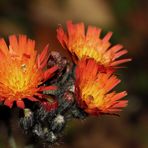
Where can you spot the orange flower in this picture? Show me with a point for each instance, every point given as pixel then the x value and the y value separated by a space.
pixel 21 71
pixel 91 45
pixel 93 89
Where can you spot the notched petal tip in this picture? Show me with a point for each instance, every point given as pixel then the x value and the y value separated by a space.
pixel 20 104
pixel 8 103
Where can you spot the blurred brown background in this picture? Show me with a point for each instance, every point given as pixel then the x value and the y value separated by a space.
pixel 128 19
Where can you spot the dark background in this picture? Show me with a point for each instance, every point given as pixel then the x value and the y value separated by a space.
pixel 128 19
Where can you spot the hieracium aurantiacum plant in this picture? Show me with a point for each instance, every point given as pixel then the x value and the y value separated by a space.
pixel 50 90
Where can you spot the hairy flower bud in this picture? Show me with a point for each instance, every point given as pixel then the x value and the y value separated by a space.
pixel 27 121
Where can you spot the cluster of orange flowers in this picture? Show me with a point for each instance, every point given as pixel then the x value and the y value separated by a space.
pixel 22 71
pixel 96 61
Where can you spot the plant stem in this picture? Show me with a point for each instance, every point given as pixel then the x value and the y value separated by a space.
pixel 12 142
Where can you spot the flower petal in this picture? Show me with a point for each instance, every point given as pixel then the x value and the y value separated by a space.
pixel 20 104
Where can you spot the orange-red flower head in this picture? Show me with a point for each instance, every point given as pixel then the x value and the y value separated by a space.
pixel 21 71
pixel 91 45
pixel 93 89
